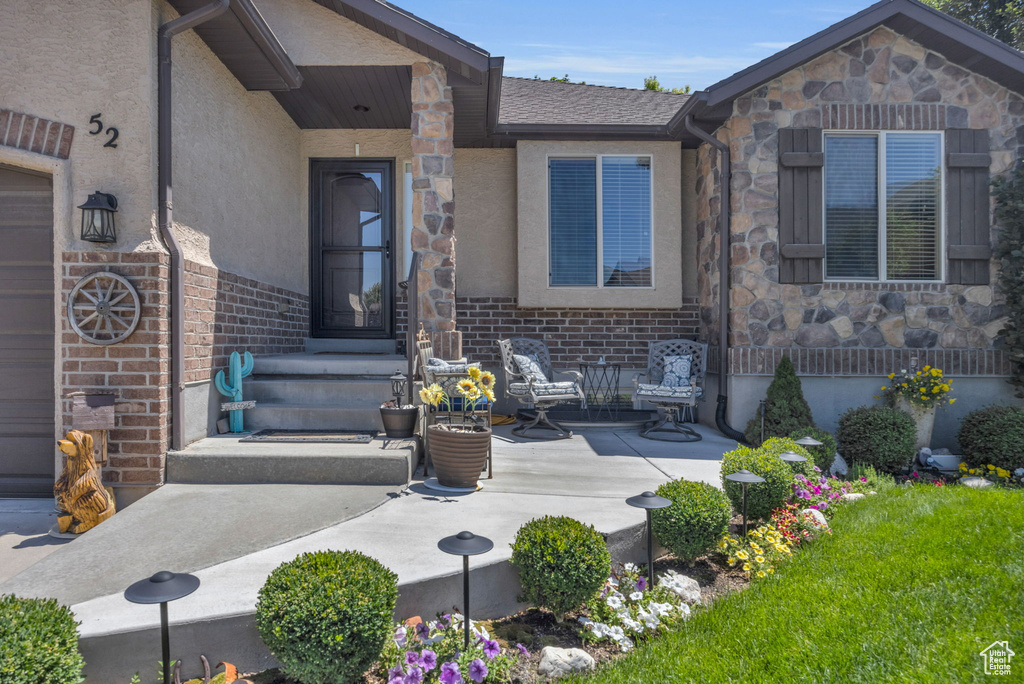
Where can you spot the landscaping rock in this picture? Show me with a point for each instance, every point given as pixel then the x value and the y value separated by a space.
pixel 852 496
pixel 555 662
pixel 818 516
pixel 687 589
pixel 976 482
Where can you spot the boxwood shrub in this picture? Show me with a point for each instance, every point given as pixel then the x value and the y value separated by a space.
pixel 764 497
pixel 825 455
pixel 879 436
pixel 325 615
pixel 993 436
pixel 697 519
pixel 38 642
pixel 562 563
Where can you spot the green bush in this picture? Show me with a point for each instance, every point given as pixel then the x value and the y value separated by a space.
pixel 824 455
pixel 874 481
pixel 785 409
pixel 697 519
pixel 38 642
pixel 879 436
pixel 562 563
pixel 1009 252
pixel 325 615
pixel 993 436
pixel 776 446
pixel 763 497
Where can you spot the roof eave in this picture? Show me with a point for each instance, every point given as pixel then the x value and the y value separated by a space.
pixel 528 131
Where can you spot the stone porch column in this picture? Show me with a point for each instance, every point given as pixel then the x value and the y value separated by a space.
pixel 433 204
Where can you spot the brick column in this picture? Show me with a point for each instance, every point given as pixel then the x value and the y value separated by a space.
pixel 433 204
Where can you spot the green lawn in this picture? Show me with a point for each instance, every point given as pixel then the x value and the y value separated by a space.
pixel 910 587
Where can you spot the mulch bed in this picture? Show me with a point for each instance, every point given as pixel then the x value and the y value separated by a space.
pixel 536 629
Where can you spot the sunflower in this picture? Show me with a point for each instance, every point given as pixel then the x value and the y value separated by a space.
pixel 489 394
pixel 486 380
pixel 474 372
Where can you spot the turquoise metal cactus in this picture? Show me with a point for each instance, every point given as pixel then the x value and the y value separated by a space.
pixel 237 370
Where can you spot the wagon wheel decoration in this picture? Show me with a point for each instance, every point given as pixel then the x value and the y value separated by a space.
pixel 104 308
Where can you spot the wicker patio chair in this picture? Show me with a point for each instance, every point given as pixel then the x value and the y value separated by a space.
pixel 447 374
pixel 673 395
pixel 530 379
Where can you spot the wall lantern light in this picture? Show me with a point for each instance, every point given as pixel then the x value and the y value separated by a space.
pixel 98 218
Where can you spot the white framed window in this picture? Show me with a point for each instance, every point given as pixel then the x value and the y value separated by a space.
pixel 883 205
pixel 600 221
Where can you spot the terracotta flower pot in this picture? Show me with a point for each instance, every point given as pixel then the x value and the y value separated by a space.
pixel 924 419
pixel 458 457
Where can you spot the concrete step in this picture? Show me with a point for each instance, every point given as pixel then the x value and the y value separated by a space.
pixel 226 460
pixel 339 365
pixel 313 391
pixel 296 416
pixel 350 346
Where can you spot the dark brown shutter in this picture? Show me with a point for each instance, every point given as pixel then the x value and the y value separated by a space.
pixel 968 223
pixel 801 246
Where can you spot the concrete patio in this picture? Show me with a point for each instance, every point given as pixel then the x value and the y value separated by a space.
pixel 233 536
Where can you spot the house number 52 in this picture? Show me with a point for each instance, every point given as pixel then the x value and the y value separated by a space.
pixel 111 131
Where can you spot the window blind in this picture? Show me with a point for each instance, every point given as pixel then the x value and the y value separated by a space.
pixel 572 204
pixel 851 207
pixel 626 221
pixel 912 195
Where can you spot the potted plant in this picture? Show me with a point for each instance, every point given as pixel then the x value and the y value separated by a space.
pixel 459 447
pixel 919 393
pixel 399 421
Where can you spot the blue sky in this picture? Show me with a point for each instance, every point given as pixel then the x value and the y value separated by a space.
pixel 686 42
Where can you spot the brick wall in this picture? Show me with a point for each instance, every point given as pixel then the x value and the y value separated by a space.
pixel 27 132
pixel 225 312
pixel 573 335
pixel 138 369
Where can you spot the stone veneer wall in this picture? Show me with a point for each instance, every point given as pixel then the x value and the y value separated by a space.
pixel 138 369
pixel 225 312
pixel 573 335
pixel 433 204
pixel 878 81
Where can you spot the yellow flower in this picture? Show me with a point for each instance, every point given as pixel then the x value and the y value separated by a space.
pixel 892 375
pixel 732 561
pixel 952 401
pixel 742 555
pixel 990 466
pixel 760 559
pixel 761 573
pixel 746 567
pixel 486 380
pixel 474 372
pixel 467 387
pixel 935 390
pixel 780 548
pixel 963 467
pixel 487 392
pixel 1002 473
pixel 884 388
pixel 722 544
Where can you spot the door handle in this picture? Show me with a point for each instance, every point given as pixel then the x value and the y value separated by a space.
pixel 387 249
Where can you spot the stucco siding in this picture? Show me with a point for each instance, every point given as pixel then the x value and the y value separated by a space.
pixel 315 35
pixel 485 222
pixel 533 248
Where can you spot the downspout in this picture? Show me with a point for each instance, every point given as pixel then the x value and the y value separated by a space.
pixel 165 212
pixel 723 282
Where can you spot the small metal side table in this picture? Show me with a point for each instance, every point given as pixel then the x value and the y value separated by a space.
pixel 601 388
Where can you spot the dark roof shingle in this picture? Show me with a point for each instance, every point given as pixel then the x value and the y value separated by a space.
pixel 533 101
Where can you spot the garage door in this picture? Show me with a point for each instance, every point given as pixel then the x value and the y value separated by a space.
pixel 26 334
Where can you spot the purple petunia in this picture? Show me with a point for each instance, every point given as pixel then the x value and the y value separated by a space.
pixel 477 670
pixel 396 675
pixel 415 676
pixel 422 630
pixel 412 658
pixel 450 673
pixel 522 649
pixel 428 659
pixel 641 584
pixel 491 648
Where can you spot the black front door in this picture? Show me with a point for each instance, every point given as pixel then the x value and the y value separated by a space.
pixel 351 237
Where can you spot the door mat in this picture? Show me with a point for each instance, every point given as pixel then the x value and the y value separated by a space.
pixel 322 436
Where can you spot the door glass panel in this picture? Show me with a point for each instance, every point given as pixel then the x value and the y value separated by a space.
pixel 353 213
pixel 353 289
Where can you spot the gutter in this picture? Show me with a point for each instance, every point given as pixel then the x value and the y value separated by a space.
pixel 723 280
pixel 165 211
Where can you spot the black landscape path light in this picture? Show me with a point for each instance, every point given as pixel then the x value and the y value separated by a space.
pixel 398 382
pixel 162 587
pixel 791 457
pixel 649 501
pixel 465 544
pixel 744 477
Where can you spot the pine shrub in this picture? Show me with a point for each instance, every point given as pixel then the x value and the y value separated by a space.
pixel 824 455
pixel 879 436
pixel 785 409
pixel 763 497
pixel 562 563
pixel 993 436
pixel 38 642
pixel 697 519
pixel 1009 194
pixel 325 615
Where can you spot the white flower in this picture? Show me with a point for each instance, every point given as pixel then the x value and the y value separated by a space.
pixel 650 618
pixel 636 596
pixel 661 608
pixel 614 602
pixel 685 609
pixel 616 633
pixel 625 644
pixel 632 625
pixel 612 581
pixel 400 635
pixel 1019 472
pixel 629 567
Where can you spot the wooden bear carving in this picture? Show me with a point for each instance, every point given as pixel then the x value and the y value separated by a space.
pixel 81 498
